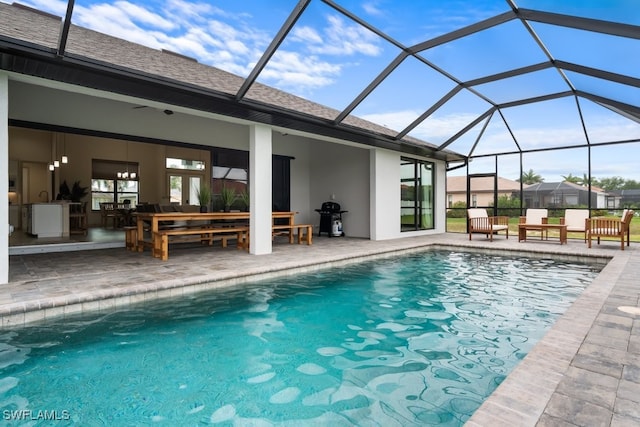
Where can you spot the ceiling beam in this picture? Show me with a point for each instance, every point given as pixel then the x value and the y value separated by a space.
pixel 587 24
pixel 64 29
pixel 463 32
pixel 601 74
pixel 508 74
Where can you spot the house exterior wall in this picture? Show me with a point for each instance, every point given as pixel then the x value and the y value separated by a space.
pixel 385 196
pixel 341 171
pixel 299 148
pixel 482 199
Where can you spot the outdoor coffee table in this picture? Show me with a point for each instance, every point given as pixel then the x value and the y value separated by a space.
pixel 544 229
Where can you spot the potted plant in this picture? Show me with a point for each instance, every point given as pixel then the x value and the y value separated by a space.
pixel 227 196
pixel 74 194
pixel 204 197
pixel 246 199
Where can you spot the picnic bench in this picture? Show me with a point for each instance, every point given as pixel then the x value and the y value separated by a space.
pixel 304 231
pixel 204 234
pixel 164 227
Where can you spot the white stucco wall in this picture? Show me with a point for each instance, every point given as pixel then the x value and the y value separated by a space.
pixel 341 171
pixel 385 196
pixel 298 148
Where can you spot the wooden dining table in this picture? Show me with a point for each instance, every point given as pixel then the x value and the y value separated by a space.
pixel 152 221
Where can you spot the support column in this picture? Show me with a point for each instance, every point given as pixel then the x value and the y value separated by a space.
pixel 384 188
pixel 260 154
pixel 4 178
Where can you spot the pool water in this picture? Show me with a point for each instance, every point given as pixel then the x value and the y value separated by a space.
pixel 419 339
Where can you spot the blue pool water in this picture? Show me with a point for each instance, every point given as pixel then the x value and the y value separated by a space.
pixel 420 339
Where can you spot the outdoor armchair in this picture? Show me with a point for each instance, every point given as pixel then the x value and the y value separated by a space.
pixel 480 222
pixel 535 217
pixel 611 227
pixel 576 220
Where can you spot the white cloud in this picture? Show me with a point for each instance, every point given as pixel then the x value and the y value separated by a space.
pixel 139 14
pixel 299 74
pixel 443 127
pixel 396 120
pixel 338 38
pixel 371 8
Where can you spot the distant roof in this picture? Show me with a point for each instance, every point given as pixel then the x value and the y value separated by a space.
pixel 560 186
pixel 458 184
pixel 632 192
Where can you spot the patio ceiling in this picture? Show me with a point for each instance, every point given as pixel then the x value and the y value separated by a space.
pixel 507 79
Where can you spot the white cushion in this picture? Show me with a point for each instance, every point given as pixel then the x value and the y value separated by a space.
pixel 534 216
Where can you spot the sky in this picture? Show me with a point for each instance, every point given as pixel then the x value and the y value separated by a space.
pixel 330 59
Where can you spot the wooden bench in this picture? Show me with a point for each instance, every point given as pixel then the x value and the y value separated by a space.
pixel 301 228
pixel 204 234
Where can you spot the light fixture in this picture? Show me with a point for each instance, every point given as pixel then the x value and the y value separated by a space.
pixel 51 167
pixel 126 174
pixel 56 164
pixel 64 157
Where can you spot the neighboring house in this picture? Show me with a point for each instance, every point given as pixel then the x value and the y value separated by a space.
pixel 482 190
pixel 623 198
pixel 562 194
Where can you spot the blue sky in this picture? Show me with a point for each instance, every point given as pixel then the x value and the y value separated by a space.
pixel 329 59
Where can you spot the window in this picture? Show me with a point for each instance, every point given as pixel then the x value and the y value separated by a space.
pixel 106 186
pixel 230 170
pixel 474 200
pixel 185 178
pixel 416 195
pixel 450 200
pixel 184 164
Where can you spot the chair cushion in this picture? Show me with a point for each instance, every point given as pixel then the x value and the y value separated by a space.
pixel 534 216
pixel 574 219
pixel 499 227
pixel 477 213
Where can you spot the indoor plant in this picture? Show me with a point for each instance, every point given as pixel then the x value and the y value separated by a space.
pixel 204 197
pixel 227 196
pixel 75 194
pixel 246 199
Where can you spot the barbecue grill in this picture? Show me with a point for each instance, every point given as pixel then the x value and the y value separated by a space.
pixel 331 219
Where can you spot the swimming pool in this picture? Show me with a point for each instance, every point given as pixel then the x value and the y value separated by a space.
pixel 420 339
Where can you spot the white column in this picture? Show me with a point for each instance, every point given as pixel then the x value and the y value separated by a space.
pixel 260 189
pixel 4 178
pixel 384 220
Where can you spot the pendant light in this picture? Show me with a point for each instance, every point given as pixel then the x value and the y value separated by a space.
pixel 64 159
